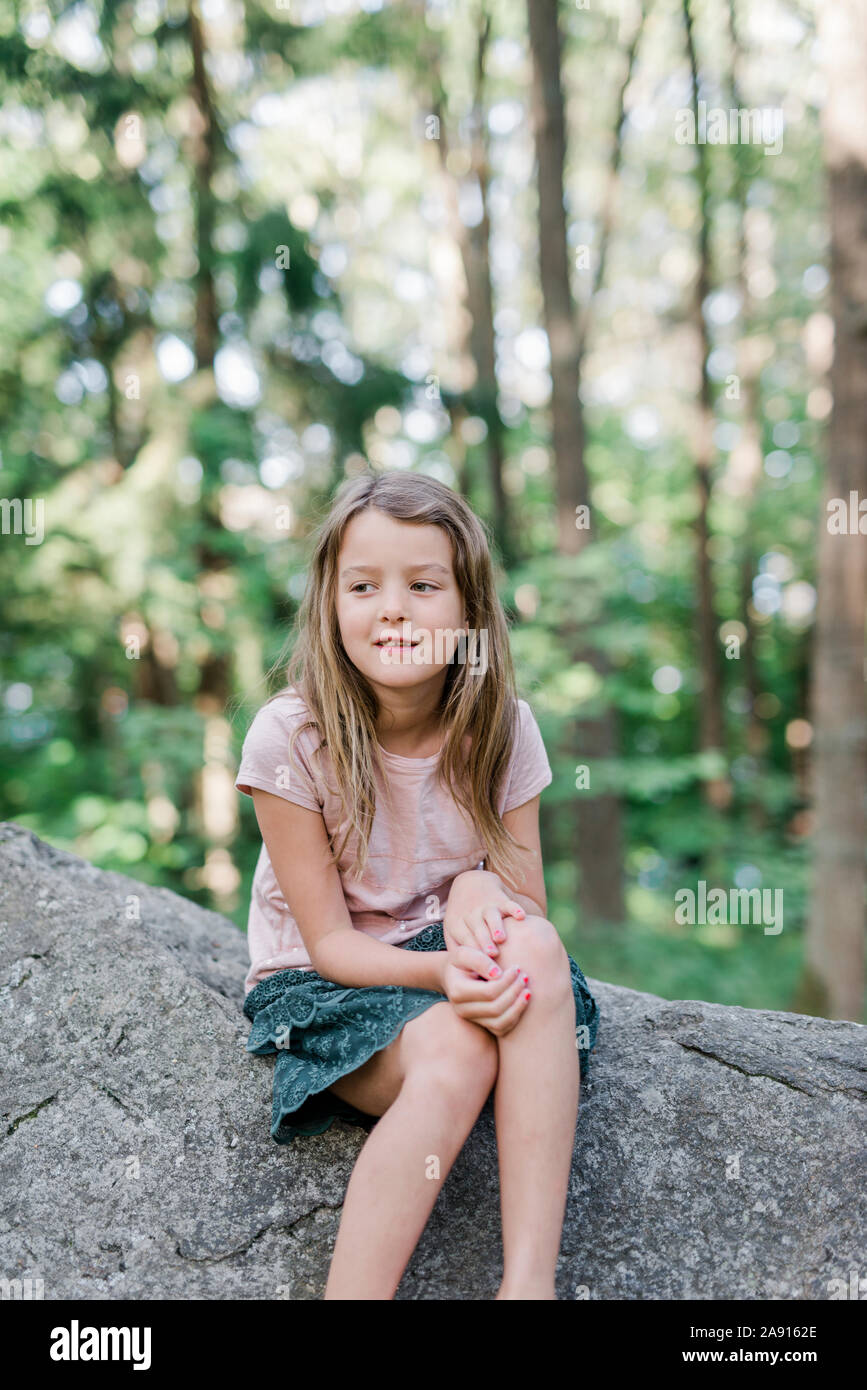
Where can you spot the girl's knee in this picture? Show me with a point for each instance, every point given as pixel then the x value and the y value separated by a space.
pixel 535 944
pixel 453 1053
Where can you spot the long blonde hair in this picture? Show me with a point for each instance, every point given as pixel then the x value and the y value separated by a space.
pixel 343 705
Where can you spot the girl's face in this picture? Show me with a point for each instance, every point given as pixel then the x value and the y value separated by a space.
pixel 395 579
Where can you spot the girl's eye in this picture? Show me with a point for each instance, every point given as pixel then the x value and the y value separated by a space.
pixel 363 584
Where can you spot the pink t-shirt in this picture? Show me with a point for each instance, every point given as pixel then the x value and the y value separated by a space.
pixel 415 852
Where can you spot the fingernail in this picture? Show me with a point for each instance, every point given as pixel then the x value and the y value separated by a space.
pixel 526 979
pixel 495 971
pixel 527 995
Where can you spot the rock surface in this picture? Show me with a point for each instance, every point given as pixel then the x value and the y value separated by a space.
pixel 719 1152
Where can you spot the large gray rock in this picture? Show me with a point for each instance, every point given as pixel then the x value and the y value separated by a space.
pixel 719 1152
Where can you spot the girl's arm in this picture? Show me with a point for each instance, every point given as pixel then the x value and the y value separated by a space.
pixel 523 823
pixel 476 887
pixel 297 843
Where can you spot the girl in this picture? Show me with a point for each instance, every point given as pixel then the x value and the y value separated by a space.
pixel 410 972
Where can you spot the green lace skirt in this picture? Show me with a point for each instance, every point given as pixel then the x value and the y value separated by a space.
pixel 320 1031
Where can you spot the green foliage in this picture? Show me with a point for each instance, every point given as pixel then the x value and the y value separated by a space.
pixel 162 488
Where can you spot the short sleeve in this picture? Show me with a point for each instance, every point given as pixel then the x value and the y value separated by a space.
pixel 530 770
pixel 265 761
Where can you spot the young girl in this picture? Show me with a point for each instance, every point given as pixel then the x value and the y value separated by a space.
pixel 409 972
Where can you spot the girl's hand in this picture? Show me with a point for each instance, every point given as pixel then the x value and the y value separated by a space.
pixel 497 1004
pixel 474 916
pixel 482 926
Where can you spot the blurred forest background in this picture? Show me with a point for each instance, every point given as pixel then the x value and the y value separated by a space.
pixel 250 249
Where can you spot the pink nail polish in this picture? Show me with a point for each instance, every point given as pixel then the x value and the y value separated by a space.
pixel 495 971
pixel 527 995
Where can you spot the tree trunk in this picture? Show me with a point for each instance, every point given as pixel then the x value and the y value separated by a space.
pixel 215 798
pixel 567 420
pixel 833 980
pixel 597 823
pixel 747 456
pixel 155 679
pixel 204 165
pixel 717 790
pixel 631 37
pixel 477 264
pixel 474 246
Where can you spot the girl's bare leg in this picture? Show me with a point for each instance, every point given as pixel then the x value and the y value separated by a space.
pixel 449 1066
pixel 535 1110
